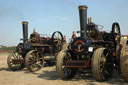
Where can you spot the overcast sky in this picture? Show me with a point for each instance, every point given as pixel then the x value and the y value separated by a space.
pixel 48 16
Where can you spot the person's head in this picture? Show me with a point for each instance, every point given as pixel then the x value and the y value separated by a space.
pixel 64 36
pixel 73 32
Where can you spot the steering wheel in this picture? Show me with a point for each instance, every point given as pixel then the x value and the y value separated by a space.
pixel 116 34
pixel 57 39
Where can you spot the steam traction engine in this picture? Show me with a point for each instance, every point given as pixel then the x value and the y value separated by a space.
pixel 34 51
pixel 95 50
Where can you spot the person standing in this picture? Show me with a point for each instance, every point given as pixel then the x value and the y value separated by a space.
pixel 65 39
pixel 74 35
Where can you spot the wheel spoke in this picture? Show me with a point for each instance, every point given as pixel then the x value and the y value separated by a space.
pixel 106 54
pixel 58 35
pixel 33 55
pixel 30 63
pixel 55 37
pixel 14 55
pixel 31 59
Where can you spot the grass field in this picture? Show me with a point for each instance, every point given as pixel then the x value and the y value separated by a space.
pixel 4 53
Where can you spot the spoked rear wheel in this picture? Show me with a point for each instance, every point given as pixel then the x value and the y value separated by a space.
pixel 64 72
pixel 102 64
pixel 34 61
pixel 15 61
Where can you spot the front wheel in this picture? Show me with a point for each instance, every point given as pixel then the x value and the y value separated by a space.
pixel 34 61
pixel 102 64
pixel 64 72
pixel 15 61
pixel 124 62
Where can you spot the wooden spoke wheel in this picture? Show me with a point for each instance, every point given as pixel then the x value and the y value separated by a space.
pixel 57 39
pixel 64 72
pixel 102 64
pixel 34 61
pixel 15 61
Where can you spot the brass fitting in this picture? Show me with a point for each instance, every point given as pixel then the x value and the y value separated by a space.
pixel 24 22
pixel 83 7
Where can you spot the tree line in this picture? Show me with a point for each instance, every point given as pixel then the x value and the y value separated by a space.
pixel 7 48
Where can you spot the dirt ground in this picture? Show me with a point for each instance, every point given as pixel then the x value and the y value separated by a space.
pixel 48 76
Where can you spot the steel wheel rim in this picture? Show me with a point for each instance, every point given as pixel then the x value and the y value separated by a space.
pixel 35 61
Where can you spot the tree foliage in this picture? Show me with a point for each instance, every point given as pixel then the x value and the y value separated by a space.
pixel 7 48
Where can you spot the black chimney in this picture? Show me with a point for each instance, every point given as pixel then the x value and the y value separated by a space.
pixel 25 31
pixel 83 20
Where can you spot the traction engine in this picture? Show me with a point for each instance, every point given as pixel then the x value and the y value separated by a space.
pixel 94 49
pixel 34 51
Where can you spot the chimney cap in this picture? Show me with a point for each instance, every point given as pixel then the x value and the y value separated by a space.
pixel 24 22
pixel 83 7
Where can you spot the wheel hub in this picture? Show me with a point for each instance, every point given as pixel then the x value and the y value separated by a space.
pixel 103 60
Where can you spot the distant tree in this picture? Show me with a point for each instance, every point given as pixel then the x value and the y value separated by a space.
pixel 5 48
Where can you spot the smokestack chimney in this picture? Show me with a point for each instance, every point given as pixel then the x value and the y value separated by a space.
pixel 25 31
pixel 83 20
